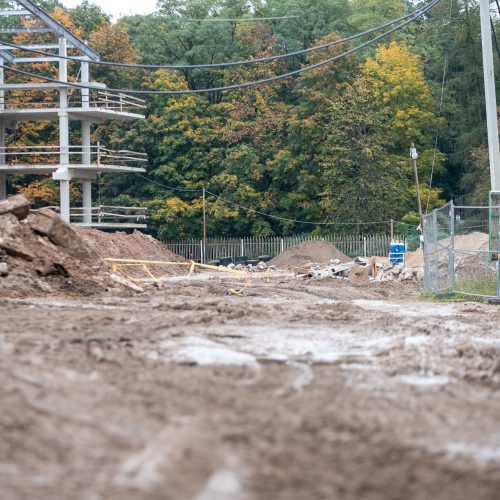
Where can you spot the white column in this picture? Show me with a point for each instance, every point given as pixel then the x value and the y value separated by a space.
pixel 87 183
pixel 86 151
pixel 64 199
pixel 87 200
pixel 3 177
pixel 64 130
pixel 85 78
pixel 490 95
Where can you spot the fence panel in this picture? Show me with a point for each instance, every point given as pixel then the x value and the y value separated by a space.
pixel 460 255
pixel 253 247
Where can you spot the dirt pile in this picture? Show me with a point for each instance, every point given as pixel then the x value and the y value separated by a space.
pixel 308 252
pixel 42 254
pixel 139 246
pixel 466 242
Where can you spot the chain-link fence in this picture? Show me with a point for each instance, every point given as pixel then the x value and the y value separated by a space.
pixel 461 248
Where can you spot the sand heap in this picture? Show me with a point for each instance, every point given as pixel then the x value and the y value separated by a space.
pixel 137 246
pixel 466 243
pixel 308 252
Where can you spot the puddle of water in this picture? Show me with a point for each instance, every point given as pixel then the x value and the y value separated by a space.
pixel 424 381
pixel 203 352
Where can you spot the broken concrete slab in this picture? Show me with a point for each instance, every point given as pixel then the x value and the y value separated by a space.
pixel 48 223
pixel 15 249
pixel 17 205
pixel 9 225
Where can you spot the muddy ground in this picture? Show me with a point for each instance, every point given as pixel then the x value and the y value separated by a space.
pixel 296 390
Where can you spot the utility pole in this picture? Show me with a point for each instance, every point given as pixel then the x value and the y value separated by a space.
pixel 414 156
pixel 204 226
pixel 490 95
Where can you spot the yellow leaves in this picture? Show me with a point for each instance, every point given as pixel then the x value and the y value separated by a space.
pixel 176 205
pixel 396 72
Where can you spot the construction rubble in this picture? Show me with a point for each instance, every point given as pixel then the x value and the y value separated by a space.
pixel 40 254
pixel 361 270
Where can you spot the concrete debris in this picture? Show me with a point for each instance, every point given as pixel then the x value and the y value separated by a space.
pixel 397 269
pixel 361 270
pixel 48 223
pixel 121 280
pixel 4 269
pixel 17 205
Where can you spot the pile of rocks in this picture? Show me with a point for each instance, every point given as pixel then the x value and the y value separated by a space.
pixel 259 268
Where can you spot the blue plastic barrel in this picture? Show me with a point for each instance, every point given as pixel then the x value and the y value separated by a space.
pixel 397 252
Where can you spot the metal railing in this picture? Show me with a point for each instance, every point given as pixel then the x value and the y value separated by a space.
pixel 106 214
pixel 49 99
pixel 98 154
pixel 461 249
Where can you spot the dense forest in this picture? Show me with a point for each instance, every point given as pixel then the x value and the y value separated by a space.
pixel 327 145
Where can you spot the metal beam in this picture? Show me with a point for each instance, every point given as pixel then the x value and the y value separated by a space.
pixel 11 31
pixel 29 60
pixel 58 28
pixel 5 54
pixel 14 12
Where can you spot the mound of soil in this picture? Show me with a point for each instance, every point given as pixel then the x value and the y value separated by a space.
pixel 138 246
pixel 466 242
pixel 307 252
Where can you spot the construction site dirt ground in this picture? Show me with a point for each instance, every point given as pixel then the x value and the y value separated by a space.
pixel 294 390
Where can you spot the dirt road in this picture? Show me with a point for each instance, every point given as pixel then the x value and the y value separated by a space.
pixel 296 390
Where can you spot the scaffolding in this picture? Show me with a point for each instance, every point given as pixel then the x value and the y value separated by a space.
pixel 65 162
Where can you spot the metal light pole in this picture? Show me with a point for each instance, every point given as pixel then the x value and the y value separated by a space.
pixel 490 95
pixel 414 156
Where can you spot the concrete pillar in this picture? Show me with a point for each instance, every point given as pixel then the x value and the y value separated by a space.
pixel 87 200
pixel 85 77
pixel 87 184
pixel 64 198
pixel 3 177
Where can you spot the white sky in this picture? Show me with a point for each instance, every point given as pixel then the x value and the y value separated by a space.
pixel 118 8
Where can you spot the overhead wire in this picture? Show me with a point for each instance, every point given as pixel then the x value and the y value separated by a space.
pixel 443 82
pixel 214 65
pixel 233 20
pixel 248 209
pixel 234 86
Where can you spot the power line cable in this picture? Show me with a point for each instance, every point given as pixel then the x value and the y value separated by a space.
pixel 227 87
pixel 234 20
pixel 171 188
pixel 443 82
pixel 248 209
pixel 213 65
pixel 495 37
pixel 294 220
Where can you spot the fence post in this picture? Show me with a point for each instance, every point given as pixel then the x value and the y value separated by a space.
pixel 242 247
pixel 452 247
pixel 282 245
pixel 364 246
pixel 202 252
